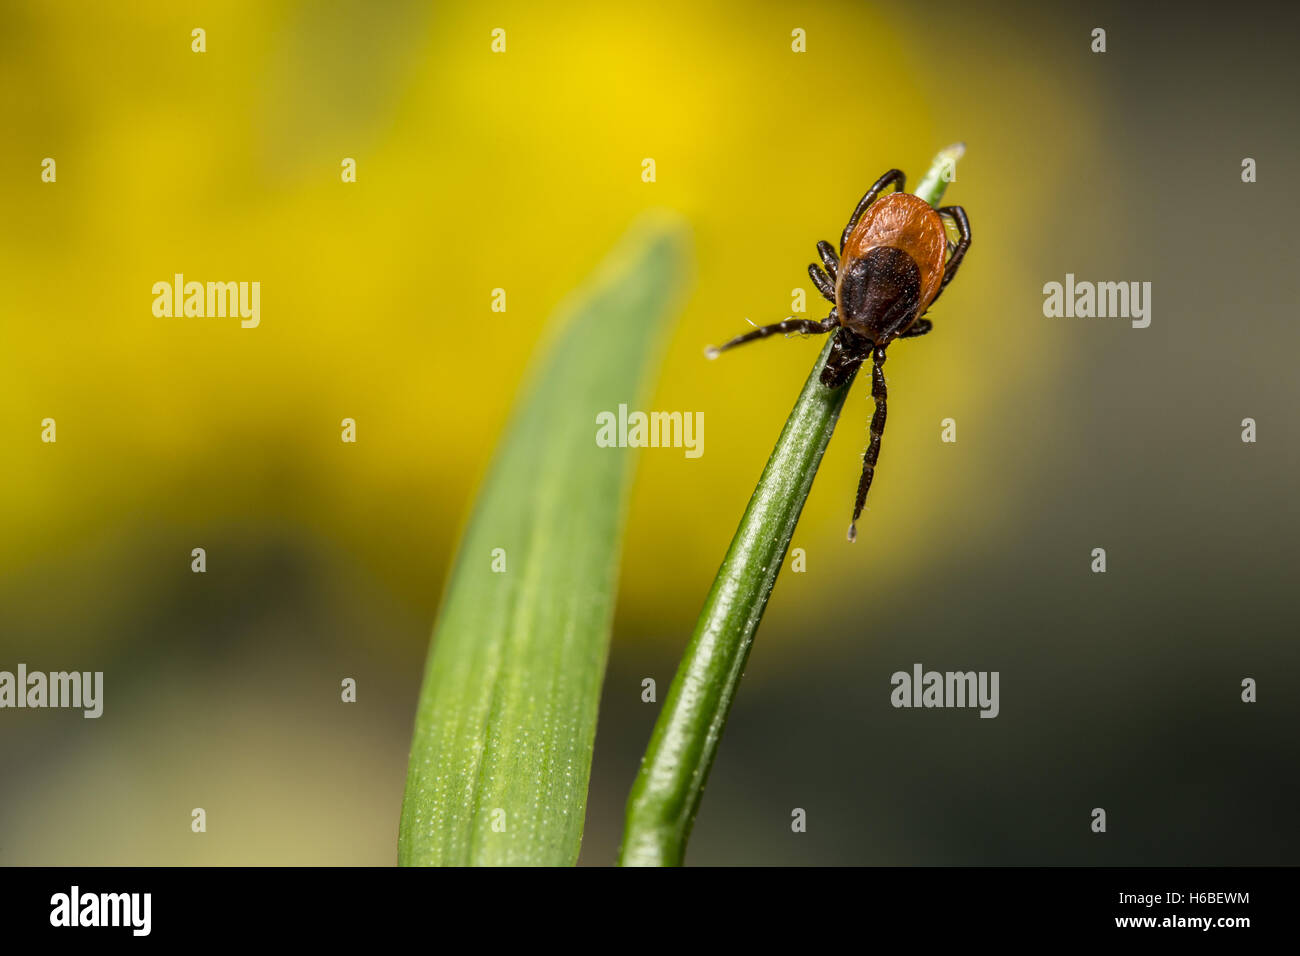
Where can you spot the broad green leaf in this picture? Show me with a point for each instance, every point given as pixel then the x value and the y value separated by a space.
pixel 507 713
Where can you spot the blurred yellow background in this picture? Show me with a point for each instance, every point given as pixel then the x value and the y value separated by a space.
pixel 519 170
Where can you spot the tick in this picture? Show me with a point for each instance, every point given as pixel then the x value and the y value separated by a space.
pixel 895 260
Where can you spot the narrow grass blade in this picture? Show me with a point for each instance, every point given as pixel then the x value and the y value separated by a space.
pixel 507 713
pixel 666 794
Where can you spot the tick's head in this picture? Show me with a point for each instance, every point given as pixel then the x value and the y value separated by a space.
pixel 880 293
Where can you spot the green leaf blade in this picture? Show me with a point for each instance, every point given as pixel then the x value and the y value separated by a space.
pixel 505 726
pixel 669 786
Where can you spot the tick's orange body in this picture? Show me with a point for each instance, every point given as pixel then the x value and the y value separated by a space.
pixel 905 222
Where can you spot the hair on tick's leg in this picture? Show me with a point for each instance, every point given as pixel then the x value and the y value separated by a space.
pixel 809 326
pixel 872 454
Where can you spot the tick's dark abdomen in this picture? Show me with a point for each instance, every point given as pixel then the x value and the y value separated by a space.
pixel 880 294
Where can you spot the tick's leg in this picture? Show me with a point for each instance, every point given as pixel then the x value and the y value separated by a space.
pixel 829 258
pixel 822 282
pixel 919 327
pixel 809 326
pixel 846 355
pixel 958 216
pixel 894 176
pixel 872 453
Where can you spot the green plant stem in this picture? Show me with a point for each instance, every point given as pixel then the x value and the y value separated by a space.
pixel 666 794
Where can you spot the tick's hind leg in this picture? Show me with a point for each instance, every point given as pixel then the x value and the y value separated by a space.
pixel 919 327
pixel 823 282
pixel 872 454
pixel 809 326
pixel 958 216
pixel 829 258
